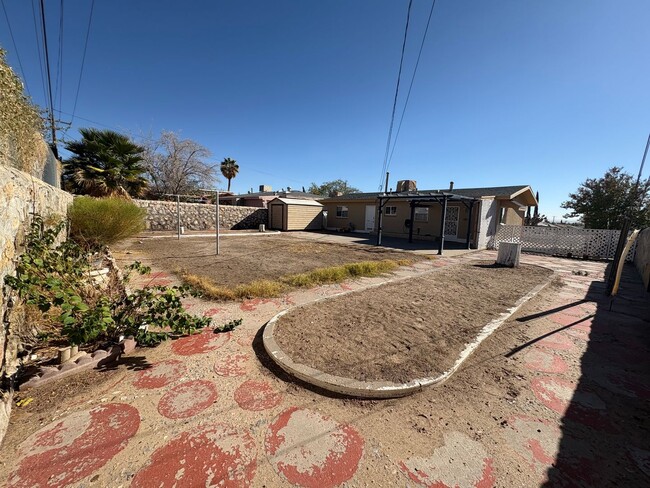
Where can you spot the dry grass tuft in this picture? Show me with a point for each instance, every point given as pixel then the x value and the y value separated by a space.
pixel 275 288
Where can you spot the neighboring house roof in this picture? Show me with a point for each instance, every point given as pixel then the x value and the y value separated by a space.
pixel 282 194
pixel 297 201
pixel 501 192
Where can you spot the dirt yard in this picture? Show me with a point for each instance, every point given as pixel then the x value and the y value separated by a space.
pixel 405 330
pixel 244 259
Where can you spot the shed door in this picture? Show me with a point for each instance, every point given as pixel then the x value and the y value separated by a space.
pixel 370 217
pixel 276 217
pixel 451 221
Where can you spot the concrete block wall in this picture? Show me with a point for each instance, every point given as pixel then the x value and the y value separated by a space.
pixel 642 256
pixel 21 196
pixel 200 216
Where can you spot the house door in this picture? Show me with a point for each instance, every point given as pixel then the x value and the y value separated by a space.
pixel 451 222
pixel 370 218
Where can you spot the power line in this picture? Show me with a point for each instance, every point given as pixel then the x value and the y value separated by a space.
pixel 58 87
pixel 83 60
pixel 49 81
pixel 38 48
pixel 408 95
pixel 399 75
pixel 20 64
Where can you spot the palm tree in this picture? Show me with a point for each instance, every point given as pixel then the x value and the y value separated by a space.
pixel 104 163
pixel 229 169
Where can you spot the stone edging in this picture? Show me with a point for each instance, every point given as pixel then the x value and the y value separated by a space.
pixel 380 389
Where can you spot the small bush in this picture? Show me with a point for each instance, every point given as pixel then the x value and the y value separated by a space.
pixel 96 222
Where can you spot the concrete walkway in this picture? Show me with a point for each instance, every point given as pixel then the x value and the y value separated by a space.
pixel 557 397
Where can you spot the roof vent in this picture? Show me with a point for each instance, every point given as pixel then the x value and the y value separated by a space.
pixel 406 185
pixel 451 185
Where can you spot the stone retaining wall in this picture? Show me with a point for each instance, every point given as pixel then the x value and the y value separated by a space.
pixel 200 216
pixel 21 196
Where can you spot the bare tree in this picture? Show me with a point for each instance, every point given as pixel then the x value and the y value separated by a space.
pixel 178 166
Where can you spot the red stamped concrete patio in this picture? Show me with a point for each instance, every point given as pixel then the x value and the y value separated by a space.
pixel 556 397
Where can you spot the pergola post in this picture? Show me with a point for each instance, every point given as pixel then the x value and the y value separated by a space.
pixel 442 225
pixel 379 222
pixel 469 225
pixel 411 221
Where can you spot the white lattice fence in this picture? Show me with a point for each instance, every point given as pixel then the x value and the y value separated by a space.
pixel 563 241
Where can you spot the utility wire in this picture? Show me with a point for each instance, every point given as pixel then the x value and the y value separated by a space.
pixel 38 48
pixel 408 95
pixel 58 87
pixel 49 80
pixel 83 60
pixel 20 64
pixel 392 118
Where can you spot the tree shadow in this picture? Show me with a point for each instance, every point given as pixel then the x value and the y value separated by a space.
pixel 605 428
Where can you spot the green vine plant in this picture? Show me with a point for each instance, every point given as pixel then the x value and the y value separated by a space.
pixel 58 280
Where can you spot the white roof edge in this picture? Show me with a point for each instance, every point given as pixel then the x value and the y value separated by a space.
pixel 298 201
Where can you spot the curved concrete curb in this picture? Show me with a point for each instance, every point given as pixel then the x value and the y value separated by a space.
pixel 380 389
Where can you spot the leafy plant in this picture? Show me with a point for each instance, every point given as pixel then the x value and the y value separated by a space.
pixel 227 327
pixel 57 279
pixel 96 222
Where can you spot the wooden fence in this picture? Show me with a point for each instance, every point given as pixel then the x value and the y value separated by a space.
pixel 562 241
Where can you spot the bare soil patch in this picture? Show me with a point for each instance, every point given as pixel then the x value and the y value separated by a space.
pixel 406 330
pixel 246 259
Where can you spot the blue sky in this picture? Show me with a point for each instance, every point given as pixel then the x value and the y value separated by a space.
pixel 546 93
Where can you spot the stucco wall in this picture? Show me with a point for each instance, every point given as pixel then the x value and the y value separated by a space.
pixel 642 256
pixel 487 223
pixel 21 195
pixel 200 216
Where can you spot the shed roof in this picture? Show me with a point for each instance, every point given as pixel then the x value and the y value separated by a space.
pixel 297 201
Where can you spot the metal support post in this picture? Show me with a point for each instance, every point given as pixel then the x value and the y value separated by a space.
pixel 178 216
pixel 442 225
pixel 469 225
pixel 411 222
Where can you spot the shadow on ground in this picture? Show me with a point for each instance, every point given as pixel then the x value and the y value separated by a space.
pixel 605 429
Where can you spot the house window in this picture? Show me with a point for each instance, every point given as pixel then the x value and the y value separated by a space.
pixel 391 211
pixel 421 214
pixel 342 212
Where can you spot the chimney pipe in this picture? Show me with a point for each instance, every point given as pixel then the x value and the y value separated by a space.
pixel 451 185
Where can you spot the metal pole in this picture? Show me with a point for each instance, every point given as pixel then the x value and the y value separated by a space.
pixel 412 217
pixel 442 225
pixel 380 216
pixel 379 222
pixel 218 222
pixel 469 225
pixel 178 216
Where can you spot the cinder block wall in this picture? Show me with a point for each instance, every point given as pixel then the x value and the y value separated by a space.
pixel 642 256
pixel 20 197
pixel 200 216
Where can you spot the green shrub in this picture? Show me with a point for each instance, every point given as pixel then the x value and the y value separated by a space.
pixel 56 279
pixel 101 221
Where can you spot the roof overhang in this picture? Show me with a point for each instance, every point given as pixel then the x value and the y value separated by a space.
pixel 525 196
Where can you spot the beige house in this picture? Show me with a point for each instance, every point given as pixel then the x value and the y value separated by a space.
pixel 471 215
